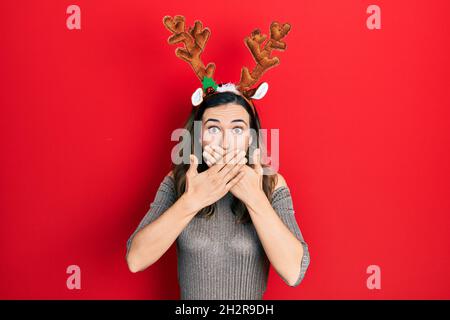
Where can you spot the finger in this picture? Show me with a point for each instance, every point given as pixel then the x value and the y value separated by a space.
pixel 238 158
pixel 257 161
pixel 210 160
pixel 193 164
pixel 216 152
pixel 244 159
pixel 232 163
pixel 219 152
pixel 235 180
pixel 230 156
pixel 218 148
pixel 220 164
pixel 234 171
pixel 256 158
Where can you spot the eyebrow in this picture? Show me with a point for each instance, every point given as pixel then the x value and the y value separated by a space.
pixel 216 120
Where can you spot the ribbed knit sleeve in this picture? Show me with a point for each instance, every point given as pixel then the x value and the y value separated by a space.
pixel 165 197
pixel 282 204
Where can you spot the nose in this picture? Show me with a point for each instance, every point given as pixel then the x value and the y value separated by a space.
pixel 226 140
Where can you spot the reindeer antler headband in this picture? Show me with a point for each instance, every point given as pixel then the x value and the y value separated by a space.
pixel 194 41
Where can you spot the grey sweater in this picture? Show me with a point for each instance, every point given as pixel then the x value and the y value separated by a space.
pixel 217 258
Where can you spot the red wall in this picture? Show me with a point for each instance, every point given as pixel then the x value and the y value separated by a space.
pixel 86 118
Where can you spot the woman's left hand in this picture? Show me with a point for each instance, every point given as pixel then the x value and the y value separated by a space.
pixel 251 184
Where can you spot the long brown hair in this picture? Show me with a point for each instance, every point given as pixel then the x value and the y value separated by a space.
pixel 179 170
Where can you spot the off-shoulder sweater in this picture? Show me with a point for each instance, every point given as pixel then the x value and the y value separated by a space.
pixel 219 258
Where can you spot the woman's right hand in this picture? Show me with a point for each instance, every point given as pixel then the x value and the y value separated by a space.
pixel 203 189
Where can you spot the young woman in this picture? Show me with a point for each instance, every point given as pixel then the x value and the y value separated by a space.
pixel 229 220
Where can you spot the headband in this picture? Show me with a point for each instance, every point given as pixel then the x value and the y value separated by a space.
pixel 194 40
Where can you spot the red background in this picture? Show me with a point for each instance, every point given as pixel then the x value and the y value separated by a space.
pixel 86 118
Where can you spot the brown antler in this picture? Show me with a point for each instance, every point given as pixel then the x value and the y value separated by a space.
pixel 262 56
pixel 194 44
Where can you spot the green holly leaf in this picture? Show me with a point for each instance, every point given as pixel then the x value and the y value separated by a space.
pixel 209 82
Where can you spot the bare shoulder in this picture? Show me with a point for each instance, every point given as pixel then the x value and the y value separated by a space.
pixel 281 182
pixel 170 174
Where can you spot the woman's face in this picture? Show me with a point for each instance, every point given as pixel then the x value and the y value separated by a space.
pixel 226 126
